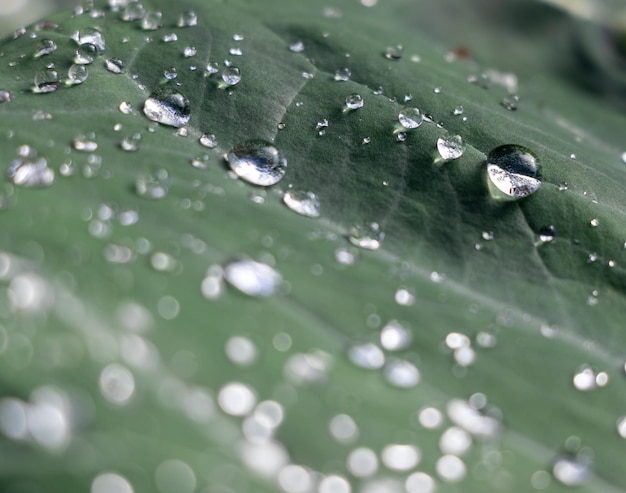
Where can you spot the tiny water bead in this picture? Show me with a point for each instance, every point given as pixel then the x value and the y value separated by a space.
pixel 410 117
pixel 304 203
pixel 168 107
pixel 450 147
pixel 152 20
pixel 343 74
pixel 296 47
pixel 252 278
pixel 85 142
pixel 368 236
pixel 547 234
pixel 512 172
pixel 29 170
pixel 394 52
pixel 46 81
pixel 354 101
pixel 231 76
pixel 394 336
pixel 258 162
pixel 153 184
pixel 114 65
pixel 368 356
pixel 130 143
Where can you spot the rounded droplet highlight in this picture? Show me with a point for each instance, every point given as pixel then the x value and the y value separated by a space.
pixel 450 147
pixel 512 172
pixel 252 278
pixel 168 107
pixel 303 203
pixel 258 162
pixel 231 76
pixel 46 81
pixel 354 101
pixel 368 236
pixel 410 117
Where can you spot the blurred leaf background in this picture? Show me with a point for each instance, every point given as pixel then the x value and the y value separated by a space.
pixel 15 13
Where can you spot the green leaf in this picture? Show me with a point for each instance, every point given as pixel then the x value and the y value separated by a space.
pixel 119 368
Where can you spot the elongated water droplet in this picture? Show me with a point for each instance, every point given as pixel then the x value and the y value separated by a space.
pixel 410 117
pixel 29 170
pixel 153 184
pixel 208 140
pixel 450 147
pixel 77 74
pixel 354 101
pixel 304 203
pixel 168 107
pixel 512 172
pixel 258 162
pixel 46 81
pixel 114 65
pixel 252 278
pixel 85 143
pixel 368 236
pixel 46 46
pixel 511 102
pixel 231 76
pixel 368 356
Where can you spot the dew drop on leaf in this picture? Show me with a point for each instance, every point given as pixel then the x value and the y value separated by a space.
pixel 236 399
pixel 153 184
pixel 252 278
pixel 450 468
pixel 511 102
pixel 420 482
pixel 450 147
pixel 402 374
pixel 85 143
pixel 114 65
pixel 297 46
pixel 46 46
pixel 394 52
pixel 410 117
pixel 571 470
pixel 368 356
pixel 303 203
pixel 133 12
pixel 5 96
pixel 46 81
pixel 512 172
pixel 30 170
pixel 86 54
pixel 130 143
pixel 208 140
pixel 547 234
pixel 258 162
pixel 231 76
pixel 168 107
pixel 354 101
pixel 343 74
pixel 394 336
pixel 152 20
pixel 90 36
pixel 368 236
pixel 108 481
pixel 187 19
pixel 77 74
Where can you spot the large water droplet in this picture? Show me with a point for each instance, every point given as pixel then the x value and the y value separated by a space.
pixel 450 147
pixel 46 81
pixel 368 236
pixel 257 162
pixel 86 54
pixel 90 36
pixel 512 172
pixel 410 117
pixel 46 46
pixel 168 107
pixel 77 74
pixel 252 278
pixel 304 203
pixel 354 101
pixel 231 76
pixel 30 171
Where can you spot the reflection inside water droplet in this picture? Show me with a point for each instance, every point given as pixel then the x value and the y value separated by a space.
pixel 512 172
pixel 410 117
pixel 368 236
pixel 354 101
pixel 168 107
pixel 258 162
pixel 303 203
pixel 46 81
pixel 450 147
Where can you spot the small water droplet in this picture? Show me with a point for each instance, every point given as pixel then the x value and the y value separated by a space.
pixel 168 107
pixel 46 81
pixel 130 143
pixel 133 12
pixel 258 162
pixel 252 278
pixel 368 356
pixel 450 147
pixel 152 20
pixel 594 223
pixel 46 46
pixel 114 65
pixel 189 51
pixel 90 35
pixel 624 157
pixel 512 172
pixel 621 426
pixel 77 74
pixel 343 74
pixel 394 52
pixel 458 110
pixel 304 203
pixel 402 374
pixel 368 236
pixel 170 73
pixel 547 234
pixel 297 46
pixel 117 384
pixel 86 54
pixel 354 101
pixel 5 96
pixel 437 90
pixel 187 19
pixel 511 102
pixel 231 76
pixel 153 185
pixel 29 170
pixel 85 143
pixel 170 38
pixel 571 470
pixel 235 51
pixel 450 468
pixel 394 336
pixel 585 379
pixel 410 117
pixel 111 482
pixel 125 108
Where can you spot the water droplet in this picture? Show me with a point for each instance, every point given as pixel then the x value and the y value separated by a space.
pixel 450 147
pixel 187 19
pixel 235 51
pixel 512 172
pixel 30 171
pixel 109 482
pixel 92 36
pixel 5 96
pixel 252 278
pixel 152 20
pixel 170 73
pixel 624 157
pixel 354 101
pixel 437 90
pixel 368 356
pixel 304 203
pixel 547 234
pixel 594 223
pixel 402 374
pixel 394 52
pixel 133 12
pixel 208 140
pixel 334 484
pixel 125 108
pixel 400 457
pixel 231 76
pixel 362 462
pixel 86 54
pixel 430 418
pixel 571 470
pixel 168 107
pixel 511 102
pixel 343 74
pixel 85 143
pixel 420 482
pixel 170 38
pixel 46 81
pixel 46 46
pixel 621 426
pixel 77 74
pixel 455 441
pixel 257 162
pixel 450 468
pixel 297 46
pixel 130 143
pixel 585 379
pixel 189 51
pixel 153 185
pixel 458 110
pixel 410 117
pixel 236 399
pixel 117 384
pixel 368 236
pixel 241 350
pixel 394 336
pixel 114 65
